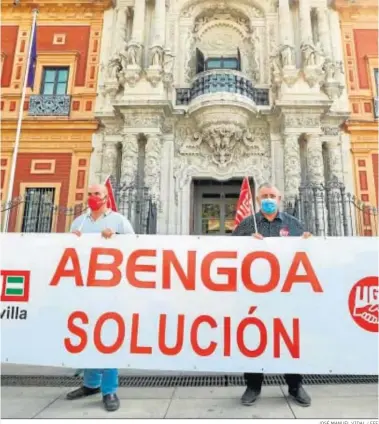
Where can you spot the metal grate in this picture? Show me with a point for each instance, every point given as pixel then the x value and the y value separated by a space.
pixel 182 381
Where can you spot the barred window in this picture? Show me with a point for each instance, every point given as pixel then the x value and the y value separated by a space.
pixel 38 210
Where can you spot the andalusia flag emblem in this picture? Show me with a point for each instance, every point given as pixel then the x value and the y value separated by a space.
pixel 15 286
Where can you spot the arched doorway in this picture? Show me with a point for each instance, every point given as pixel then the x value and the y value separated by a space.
pixel 214 205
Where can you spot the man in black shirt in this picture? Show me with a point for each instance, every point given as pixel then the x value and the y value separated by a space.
pixel 271 223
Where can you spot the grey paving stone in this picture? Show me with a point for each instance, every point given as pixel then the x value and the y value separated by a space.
pixel 93 408
pixel 26 402
pixel 136 393
pixel 222 392
pixel 338 407
pixel 340 390
pixel 146 392
pixel 32 392
pixel 228 408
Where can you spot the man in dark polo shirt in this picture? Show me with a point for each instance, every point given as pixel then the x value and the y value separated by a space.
pixel 271 223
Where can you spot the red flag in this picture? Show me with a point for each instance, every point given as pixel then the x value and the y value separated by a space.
pixel 111 203
pixel 245 203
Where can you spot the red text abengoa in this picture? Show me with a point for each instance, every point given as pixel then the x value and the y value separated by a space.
pixel 196 270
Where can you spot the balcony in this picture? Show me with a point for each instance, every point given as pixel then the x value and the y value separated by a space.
pixel 376 107
pixel 222 95
pixel 222 81
pixel 48 105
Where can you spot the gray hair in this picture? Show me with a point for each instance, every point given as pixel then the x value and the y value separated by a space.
pixel 266 185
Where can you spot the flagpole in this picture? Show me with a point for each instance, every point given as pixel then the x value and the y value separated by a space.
pixel 252 208
pixel 19 124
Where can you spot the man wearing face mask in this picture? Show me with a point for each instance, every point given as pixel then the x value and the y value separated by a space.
pixel 103 220
pixel 272 223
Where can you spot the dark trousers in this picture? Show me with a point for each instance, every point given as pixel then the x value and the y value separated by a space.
pixel 255 380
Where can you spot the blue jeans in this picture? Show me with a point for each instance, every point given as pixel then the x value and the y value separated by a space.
pixel 107 379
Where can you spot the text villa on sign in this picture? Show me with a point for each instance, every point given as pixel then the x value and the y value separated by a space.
pixel 15 289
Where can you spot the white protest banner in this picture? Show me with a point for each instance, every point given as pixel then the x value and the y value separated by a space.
pixel 184 303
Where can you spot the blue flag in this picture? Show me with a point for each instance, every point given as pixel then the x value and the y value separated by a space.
pixel 33 58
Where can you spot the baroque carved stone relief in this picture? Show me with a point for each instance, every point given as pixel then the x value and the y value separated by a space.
pixel 225 16
pixel 186 167
pixel 254 12
pixel 153 162
pixel 254 48
pixel 315 164
pixel 330 130
pixel 292 170
pixel 335 160
pixel 223 143
pixel 301 121
pixel 141 120
pixel 129 159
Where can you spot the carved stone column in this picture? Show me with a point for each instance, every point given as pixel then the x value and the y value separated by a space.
pixel 305 23
pixel 323 30
pixel 129 159
pixel 160 23
pixel 157 52
pixel 132 57
pixel 335 159
pixel 315 163
pixel 109 159
pixel 312 56
pixel 153 161
pixel 139 21
pixel 337 204
pixel 335 35
pixel 292 168
pixel 285 23
pixel 283 64
pixel 121 21
pixel 336 45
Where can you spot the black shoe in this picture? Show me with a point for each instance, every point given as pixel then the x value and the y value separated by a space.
pixel 111 402
pixel 299 395
pixel 82 392
pixel 250 396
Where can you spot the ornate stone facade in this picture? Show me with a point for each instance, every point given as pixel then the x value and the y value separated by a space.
pixel 221 90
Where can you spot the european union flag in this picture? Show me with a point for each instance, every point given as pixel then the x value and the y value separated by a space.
pixel 33 57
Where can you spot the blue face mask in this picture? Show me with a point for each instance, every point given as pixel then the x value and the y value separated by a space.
pixel 269 206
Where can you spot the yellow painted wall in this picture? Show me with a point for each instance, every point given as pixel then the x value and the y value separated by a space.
pixel 359 27
pixel 68 34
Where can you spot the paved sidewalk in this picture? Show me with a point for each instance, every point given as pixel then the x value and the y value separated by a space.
pixel 338 401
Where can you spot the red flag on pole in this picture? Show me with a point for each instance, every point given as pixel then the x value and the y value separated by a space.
pixel 111 199
pixel 245 203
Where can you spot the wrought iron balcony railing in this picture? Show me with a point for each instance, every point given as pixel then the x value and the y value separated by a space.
pixel 48 105
pixel 376 107
pixel 222 81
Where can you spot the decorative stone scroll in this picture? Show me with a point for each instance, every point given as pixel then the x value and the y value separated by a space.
pixel 225 143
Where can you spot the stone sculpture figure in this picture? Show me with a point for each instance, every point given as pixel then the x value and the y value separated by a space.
pixel 319 55
pixel 338 73
pixel 329 69
pixel 308 52
pixel 114 67
pixel 133 54
pixel 312 56
pixel 156 56
pixel 168 62
pixel 287 55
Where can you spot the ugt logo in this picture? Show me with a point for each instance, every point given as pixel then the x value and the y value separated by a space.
pixel 15 286
pixel 364 304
